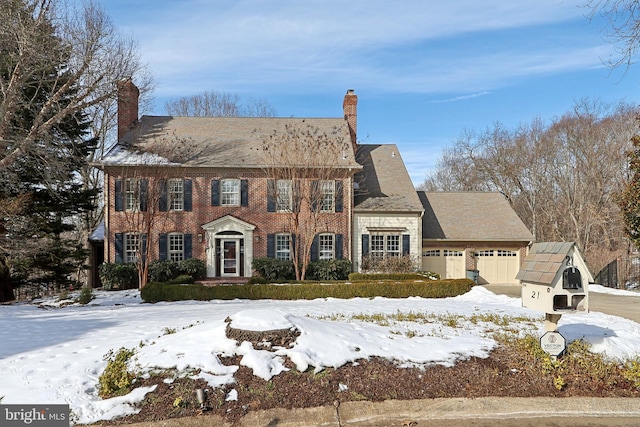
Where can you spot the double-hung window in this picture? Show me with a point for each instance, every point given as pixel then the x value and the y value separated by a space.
pixel 132 194
pixel 284 195
pixel 283 246
pixel 326 248
pixel 327 196
pixel 131 247
pixel 230 192
pixel 176 246
pixel 176 194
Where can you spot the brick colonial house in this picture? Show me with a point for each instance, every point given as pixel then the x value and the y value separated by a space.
pixel 216 201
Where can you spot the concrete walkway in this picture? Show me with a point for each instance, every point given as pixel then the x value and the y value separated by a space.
pixel 480 412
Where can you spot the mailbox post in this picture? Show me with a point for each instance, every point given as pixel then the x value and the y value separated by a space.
pixel 555 280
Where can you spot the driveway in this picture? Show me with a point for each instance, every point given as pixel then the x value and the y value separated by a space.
pixel 617 305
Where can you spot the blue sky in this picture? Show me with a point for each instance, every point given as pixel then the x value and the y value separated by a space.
pixel 424 70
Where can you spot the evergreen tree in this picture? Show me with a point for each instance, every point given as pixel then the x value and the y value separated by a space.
pixel 40 192
pixel 629 198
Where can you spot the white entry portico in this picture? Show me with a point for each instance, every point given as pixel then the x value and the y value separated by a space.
pixel 229 247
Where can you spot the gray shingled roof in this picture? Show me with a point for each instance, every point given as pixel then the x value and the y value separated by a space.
pixel 220 141
pixel 384 184
pixel 544 261
pixel 471 216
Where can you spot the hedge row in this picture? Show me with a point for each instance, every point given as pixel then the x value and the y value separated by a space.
pixel 156 292
pixel 364 277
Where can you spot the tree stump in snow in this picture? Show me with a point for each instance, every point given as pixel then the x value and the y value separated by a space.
pixel 264 339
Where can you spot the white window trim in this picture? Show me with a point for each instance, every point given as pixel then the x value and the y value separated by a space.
pixel 327 254
pixel 284 195
pixel 327 194
pixel 176 198
pixel 282 251
pixel 175 254
pixel 131 247
pixel 233 194
pixel 132 194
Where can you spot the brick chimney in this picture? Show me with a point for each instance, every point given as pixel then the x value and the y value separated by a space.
pixel 350 107
pixel 128 94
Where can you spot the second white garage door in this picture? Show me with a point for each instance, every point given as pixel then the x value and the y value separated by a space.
pixel 497 265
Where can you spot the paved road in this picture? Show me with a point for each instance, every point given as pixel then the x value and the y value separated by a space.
pixel 617 305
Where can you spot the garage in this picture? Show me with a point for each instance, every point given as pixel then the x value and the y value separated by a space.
pixel 497 265
pixel 466 231
pixel 448 263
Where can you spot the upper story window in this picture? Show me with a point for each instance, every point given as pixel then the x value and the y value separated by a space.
pixel 284 195
pixel 327 196
pixel 132 194
pixel 230 192
pixel 176 194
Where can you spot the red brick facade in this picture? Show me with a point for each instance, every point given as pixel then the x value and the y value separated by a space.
pixel 202 212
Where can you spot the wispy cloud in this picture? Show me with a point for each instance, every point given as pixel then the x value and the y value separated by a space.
pixel 459 98
pixel 246 45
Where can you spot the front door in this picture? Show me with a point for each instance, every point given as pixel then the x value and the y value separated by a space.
pixel 229 257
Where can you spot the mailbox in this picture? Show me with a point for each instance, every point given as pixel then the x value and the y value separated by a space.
pixel 555 279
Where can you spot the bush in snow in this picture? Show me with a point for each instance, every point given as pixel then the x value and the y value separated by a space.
pixel 118 276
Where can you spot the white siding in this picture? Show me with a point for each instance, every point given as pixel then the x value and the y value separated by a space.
pixel 365 223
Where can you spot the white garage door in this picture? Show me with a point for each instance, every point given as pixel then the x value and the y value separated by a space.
pixel 498 265
pixel 448 263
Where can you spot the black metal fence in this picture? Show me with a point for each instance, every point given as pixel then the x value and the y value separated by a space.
pixel 621 273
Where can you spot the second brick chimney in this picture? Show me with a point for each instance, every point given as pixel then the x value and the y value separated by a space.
pixel 128 94
pixel 350 107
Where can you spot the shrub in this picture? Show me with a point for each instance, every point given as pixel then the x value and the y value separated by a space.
pixel 118 276
pixel 116 379
pixel 162 270
pixel 274 270
pixel 359 277
pixel 332 269
pixel 257 280
pixel 183 278
pixel 390 264
pixel 86 295
pixel 155 292
pixel 193 267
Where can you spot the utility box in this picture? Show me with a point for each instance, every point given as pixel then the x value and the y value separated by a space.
pixel 555 278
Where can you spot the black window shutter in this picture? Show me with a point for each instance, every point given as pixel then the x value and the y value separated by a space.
pixel 271 195
pixel 188 246
pixel 163 203
pixel 271 245
pixel 215 192
pixel 144 191
pixel 314 248
pixel 187 195
pixel 292 246
pixel 406 239
pixel 339 196
pixel 365 244
pixel 338 248
pixel 162 246
pixel 119 248
pixel 119 196
pixel 244 192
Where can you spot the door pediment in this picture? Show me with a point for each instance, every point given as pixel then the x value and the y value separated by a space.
pixel 228 223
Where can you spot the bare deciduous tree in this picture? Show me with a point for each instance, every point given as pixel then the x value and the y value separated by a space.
pixel 307 174
pixel 623 28
pixel 218 104
pixel 560 178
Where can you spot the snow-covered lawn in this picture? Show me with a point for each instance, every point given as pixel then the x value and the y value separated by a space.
pixel 54 355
